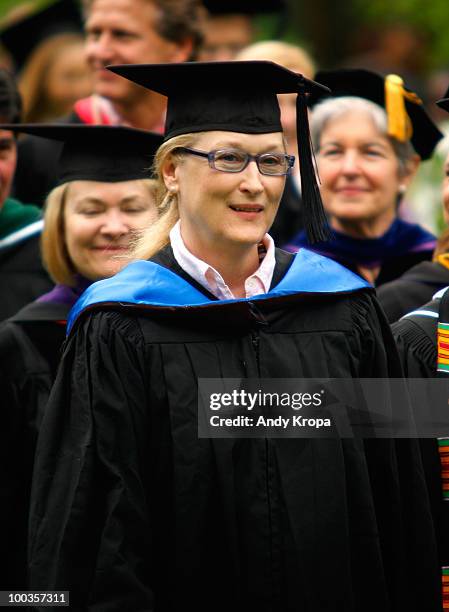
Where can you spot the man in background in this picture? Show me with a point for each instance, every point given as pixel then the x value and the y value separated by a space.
pixel 22 276
pixel 117 32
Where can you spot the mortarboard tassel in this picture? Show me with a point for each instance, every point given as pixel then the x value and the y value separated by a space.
pixel 315 220
pixel 399 124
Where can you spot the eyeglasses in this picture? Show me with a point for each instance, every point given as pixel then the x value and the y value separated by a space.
pixel 233 160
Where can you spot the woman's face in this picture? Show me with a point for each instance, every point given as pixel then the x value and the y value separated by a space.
pixel 222 210
pixel 359 170
pixel 69 78
pixel 100 219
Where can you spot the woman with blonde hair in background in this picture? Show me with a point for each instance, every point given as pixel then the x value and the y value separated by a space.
pixel 55 76
pixel 103 201
pixel 418 285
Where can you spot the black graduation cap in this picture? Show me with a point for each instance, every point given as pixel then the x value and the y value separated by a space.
pixel 237 96
pixel 232 7
pixel 407 118
pixel 97 152
pixel 444 102
pixel 21 36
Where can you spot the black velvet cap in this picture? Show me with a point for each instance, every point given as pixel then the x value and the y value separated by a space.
pixel 236 97
pixel 372 86
pixel 21 36
pixel 444 102
pixel 98 152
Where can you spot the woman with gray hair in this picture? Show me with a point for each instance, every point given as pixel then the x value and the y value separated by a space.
pixel 370 137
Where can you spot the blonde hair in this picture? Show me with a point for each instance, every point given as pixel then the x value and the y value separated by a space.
pixel 155 237
pixel 442 246
pixel 289 56
pixel 53 246
pixel 33 82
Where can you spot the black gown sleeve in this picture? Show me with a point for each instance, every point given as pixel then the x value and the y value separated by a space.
pixel 24 387
pixel 89 525
pixel 397 475
pixel 418 351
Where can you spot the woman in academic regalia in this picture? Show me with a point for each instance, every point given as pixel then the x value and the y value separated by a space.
pixel 370 135
pixel 131 509
pixel 418 284
pixel 103 198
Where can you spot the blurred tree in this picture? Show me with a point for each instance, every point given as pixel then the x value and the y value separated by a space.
pixel 325 24
pixel 331 29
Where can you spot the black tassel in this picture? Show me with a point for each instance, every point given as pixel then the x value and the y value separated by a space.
pixel 315 220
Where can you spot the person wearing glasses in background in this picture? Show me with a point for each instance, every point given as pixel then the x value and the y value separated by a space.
pixel 131 509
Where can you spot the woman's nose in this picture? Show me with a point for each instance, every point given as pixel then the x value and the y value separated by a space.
pixel 350 163
pixel 114 225
pixel 251 178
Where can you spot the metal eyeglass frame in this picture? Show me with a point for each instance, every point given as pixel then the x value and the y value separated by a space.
pixel 210 156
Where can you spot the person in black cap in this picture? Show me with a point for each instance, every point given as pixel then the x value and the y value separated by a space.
pixel 370 135
pixel 131 509
pixel 418 284
pixel 22 276
pixel 103 199
pixel 422 300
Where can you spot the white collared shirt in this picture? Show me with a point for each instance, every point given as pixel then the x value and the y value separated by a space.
pixel 210 279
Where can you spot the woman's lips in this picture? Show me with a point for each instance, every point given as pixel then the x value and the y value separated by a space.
pixel 247 211
pixel 247 207
pixel 110 249
pixel 351 190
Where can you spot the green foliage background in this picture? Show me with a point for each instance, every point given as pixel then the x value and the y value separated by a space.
pixel 431 16
pixel 325 26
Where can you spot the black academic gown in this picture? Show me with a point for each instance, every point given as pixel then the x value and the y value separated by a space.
pixel 413 289
pixel 416 339
pixel 22 276
pixel 132 511
pixel 30 344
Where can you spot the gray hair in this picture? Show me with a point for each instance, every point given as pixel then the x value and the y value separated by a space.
pixel 331 108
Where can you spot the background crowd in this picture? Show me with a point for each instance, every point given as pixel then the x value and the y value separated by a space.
pixel 85 185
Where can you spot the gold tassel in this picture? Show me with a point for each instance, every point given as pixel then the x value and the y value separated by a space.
pixel 399 124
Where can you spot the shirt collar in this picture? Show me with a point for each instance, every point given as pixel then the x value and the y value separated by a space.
pixel 211 279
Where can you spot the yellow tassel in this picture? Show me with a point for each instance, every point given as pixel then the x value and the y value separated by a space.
pixel 399 124
pixel 443 260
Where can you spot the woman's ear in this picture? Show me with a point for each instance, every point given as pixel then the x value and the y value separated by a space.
pixel 411 169
pixel 169 173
